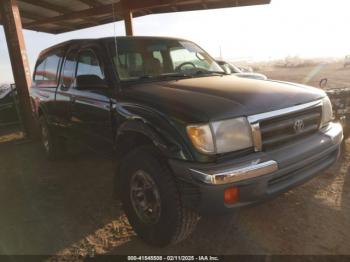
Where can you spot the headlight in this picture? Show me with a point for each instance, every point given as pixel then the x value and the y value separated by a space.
pixel 221 136
pixel 327 113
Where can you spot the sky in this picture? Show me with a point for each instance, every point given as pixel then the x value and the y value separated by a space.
pixel 306 28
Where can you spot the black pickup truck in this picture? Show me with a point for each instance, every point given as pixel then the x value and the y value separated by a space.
pixel 188 140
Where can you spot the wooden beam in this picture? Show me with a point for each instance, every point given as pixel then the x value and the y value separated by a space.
pixel 127 15
pixel 19 62
pixel 128 22
pixel 47 5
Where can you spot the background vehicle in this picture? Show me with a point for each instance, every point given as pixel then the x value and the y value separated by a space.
pixel 347 61
pixel 189 140
pixel 8 111
pixel 245 69
pixel 235 70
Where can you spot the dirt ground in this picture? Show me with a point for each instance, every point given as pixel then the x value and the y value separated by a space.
pixel 67 207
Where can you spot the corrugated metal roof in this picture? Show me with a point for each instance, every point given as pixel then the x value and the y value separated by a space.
pixel 58 16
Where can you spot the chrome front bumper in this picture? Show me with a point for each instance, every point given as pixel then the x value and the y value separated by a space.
pixel 255 168
pixel 334 131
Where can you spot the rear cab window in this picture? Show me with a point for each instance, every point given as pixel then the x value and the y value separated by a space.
pixel 129 64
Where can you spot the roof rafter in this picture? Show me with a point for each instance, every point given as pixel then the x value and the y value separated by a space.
pixel 29 15
pixel 32 16
pixel 104 9
pixel 133 5
pixel 86 13
pixel 47 5
pixel 91 3
pixel 136 4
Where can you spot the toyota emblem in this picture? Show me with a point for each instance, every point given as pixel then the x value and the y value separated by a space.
pixel 298 126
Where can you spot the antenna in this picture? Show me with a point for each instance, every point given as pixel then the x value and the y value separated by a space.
pixel 115 32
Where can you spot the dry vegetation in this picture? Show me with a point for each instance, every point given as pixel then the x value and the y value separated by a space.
pixel 307 71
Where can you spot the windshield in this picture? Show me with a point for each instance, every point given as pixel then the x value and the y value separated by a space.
pixel 153 58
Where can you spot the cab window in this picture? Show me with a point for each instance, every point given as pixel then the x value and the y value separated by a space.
pixel 158 55
pixel 88 64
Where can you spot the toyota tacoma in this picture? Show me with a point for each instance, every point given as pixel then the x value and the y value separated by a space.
pixel 188 140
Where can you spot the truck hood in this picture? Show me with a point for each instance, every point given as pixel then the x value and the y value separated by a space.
pixel 219 97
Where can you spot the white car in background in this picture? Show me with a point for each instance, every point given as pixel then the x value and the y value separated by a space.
pixel 347 60
pixel 235 70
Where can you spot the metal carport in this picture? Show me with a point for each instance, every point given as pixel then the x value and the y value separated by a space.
pixel 59 16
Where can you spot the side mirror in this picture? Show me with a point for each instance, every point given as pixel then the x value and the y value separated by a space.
pixel 87 82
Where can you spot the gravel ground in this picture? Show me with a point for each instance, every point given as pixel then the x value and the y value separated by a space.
pixel 67 208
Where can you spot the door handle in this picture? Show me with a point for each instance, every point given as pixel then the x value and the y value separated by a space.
pixel 73 99
pixel 111 106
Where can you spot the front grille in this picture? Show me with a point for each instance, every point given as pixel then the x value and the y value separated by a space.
pixel 282 129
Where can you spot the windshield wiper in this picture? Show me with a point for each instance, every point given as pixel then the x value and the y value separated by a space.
pixel 177 74
pixel 144 77
pixel 162 76
pixel 159 77
pixel 208 72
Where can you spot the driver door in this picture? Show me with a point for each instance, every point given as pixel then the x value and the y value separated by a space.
pixel 91 110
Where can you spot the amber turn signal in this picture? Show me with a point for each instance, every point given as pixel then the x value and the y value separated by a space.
pixel 231 195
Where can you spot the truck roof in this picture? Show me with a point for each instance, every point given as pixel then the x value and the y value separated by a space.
pixel 86 40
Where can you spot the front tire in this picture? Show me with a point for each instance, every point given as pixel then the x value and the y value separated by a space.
pixel 151 198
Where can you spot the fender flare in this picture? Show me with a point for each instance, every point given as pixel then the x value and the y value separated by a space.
pixel 165 146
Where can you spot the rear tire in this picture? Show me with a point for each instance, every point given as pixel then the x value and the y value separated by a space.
pixel 53 144
pixel 154 207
